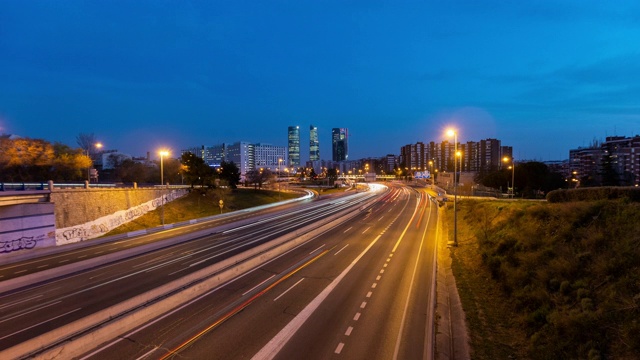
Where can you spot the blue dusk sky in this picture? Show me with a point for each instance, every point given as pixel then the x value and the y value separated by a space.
pixel 542 76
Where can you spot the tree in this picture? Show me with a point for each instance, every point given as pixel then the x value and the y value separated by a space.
pixel 230 173
pixel 532 179
pixel 332 175
pixel 86 141
pixel 26 159
pixel 197 171
pixel 68 164
pixel 130 171
pixel 172 171
pixel 258 177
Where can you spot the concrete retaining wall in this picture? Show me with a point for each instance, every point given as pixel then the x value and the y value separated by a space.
pixel 104 224
pixel 26 226
pixel 29 223
pixel 78 206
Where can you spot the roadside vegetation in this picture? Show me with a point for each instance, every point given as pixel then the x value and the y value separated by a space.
pixel 202 203
pixel 543 280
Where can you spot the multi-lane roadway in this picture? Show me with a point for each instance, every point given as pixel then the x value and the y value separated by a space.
pixel 361 289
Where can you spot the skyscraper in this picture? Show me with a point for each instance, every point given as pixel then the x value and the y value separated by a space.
pixel 294 146
pixel 314 145
pixel 340 144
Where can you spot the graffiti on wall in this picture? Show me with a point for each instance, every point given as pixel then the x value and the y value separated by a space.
pixel 17 244
pixel 23 243
pixel 107 223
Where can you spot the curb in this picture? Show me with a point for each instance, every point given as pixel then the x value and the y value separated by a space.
pixel 452 340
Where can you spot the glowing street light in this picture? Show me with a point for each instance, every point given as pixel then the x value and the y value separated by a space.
pixel 513 175
pixel 162 153
pixel 454 133
pixel 98 146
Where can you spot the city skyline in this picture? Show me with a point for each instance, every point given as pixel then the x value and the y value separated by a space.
pixel 545 77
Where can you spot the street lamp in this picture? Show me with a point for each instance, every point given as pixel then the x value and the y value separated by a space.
pixel 163 153
pixel 431 171
pixel 98 146
pixel 454 133
pixel 513 175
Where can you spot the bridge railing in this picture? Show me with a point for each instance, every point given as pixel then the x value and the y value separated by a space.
pixel 23 186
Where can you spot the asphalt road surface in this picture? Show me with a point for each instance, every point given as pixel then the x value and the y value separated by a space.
pixel 359 291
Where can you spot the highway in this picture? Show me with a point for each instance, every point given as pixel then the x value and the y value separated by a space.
pixel 361 290
pixel 33 311
pixel 96 247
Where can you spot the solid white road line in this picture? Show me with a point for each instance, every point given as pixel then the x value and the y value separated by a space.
pixel 286 291
pixel 274 345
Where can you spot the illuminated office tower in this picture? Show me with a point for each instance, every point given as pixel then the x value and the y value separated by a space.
pixel 294 146
pixel 314 144
pixel 340 144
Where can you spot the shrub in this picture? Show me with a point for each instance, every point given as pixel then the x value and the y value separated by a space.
pixel 631 194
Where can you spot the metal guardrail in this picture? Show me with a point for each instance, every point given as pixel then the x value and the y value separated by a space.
pixel 7 186
pixel 22 186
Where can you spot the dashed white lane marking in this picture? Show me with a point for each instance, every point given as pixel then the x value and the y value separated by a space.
pixel 42 266
pixel 347 230
pixel 286 291
pixel 339 348
pixel 147 353
pixel 357 316
pixel 253 288
pixel 362 306
pixel 373 286
pixel 341 249
pixel 369 294
pixel 320 247
pixel 62 261
pixel 20 272
pixel 382 271
pixel 82 256
pixel 385 265
pixel 98 253
pixel 380 218
pixel 365 230
pixel 378 278
pixel 349 330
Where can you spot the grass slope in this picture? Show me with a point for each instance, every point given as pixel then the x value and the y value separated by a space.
pixel 549 281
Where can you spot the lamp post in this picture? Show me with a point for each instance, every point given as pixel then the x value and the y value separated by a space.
pixel 163 153
pixel 513 175
pixel 98 146
pixel 455 186
pixel 431 172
